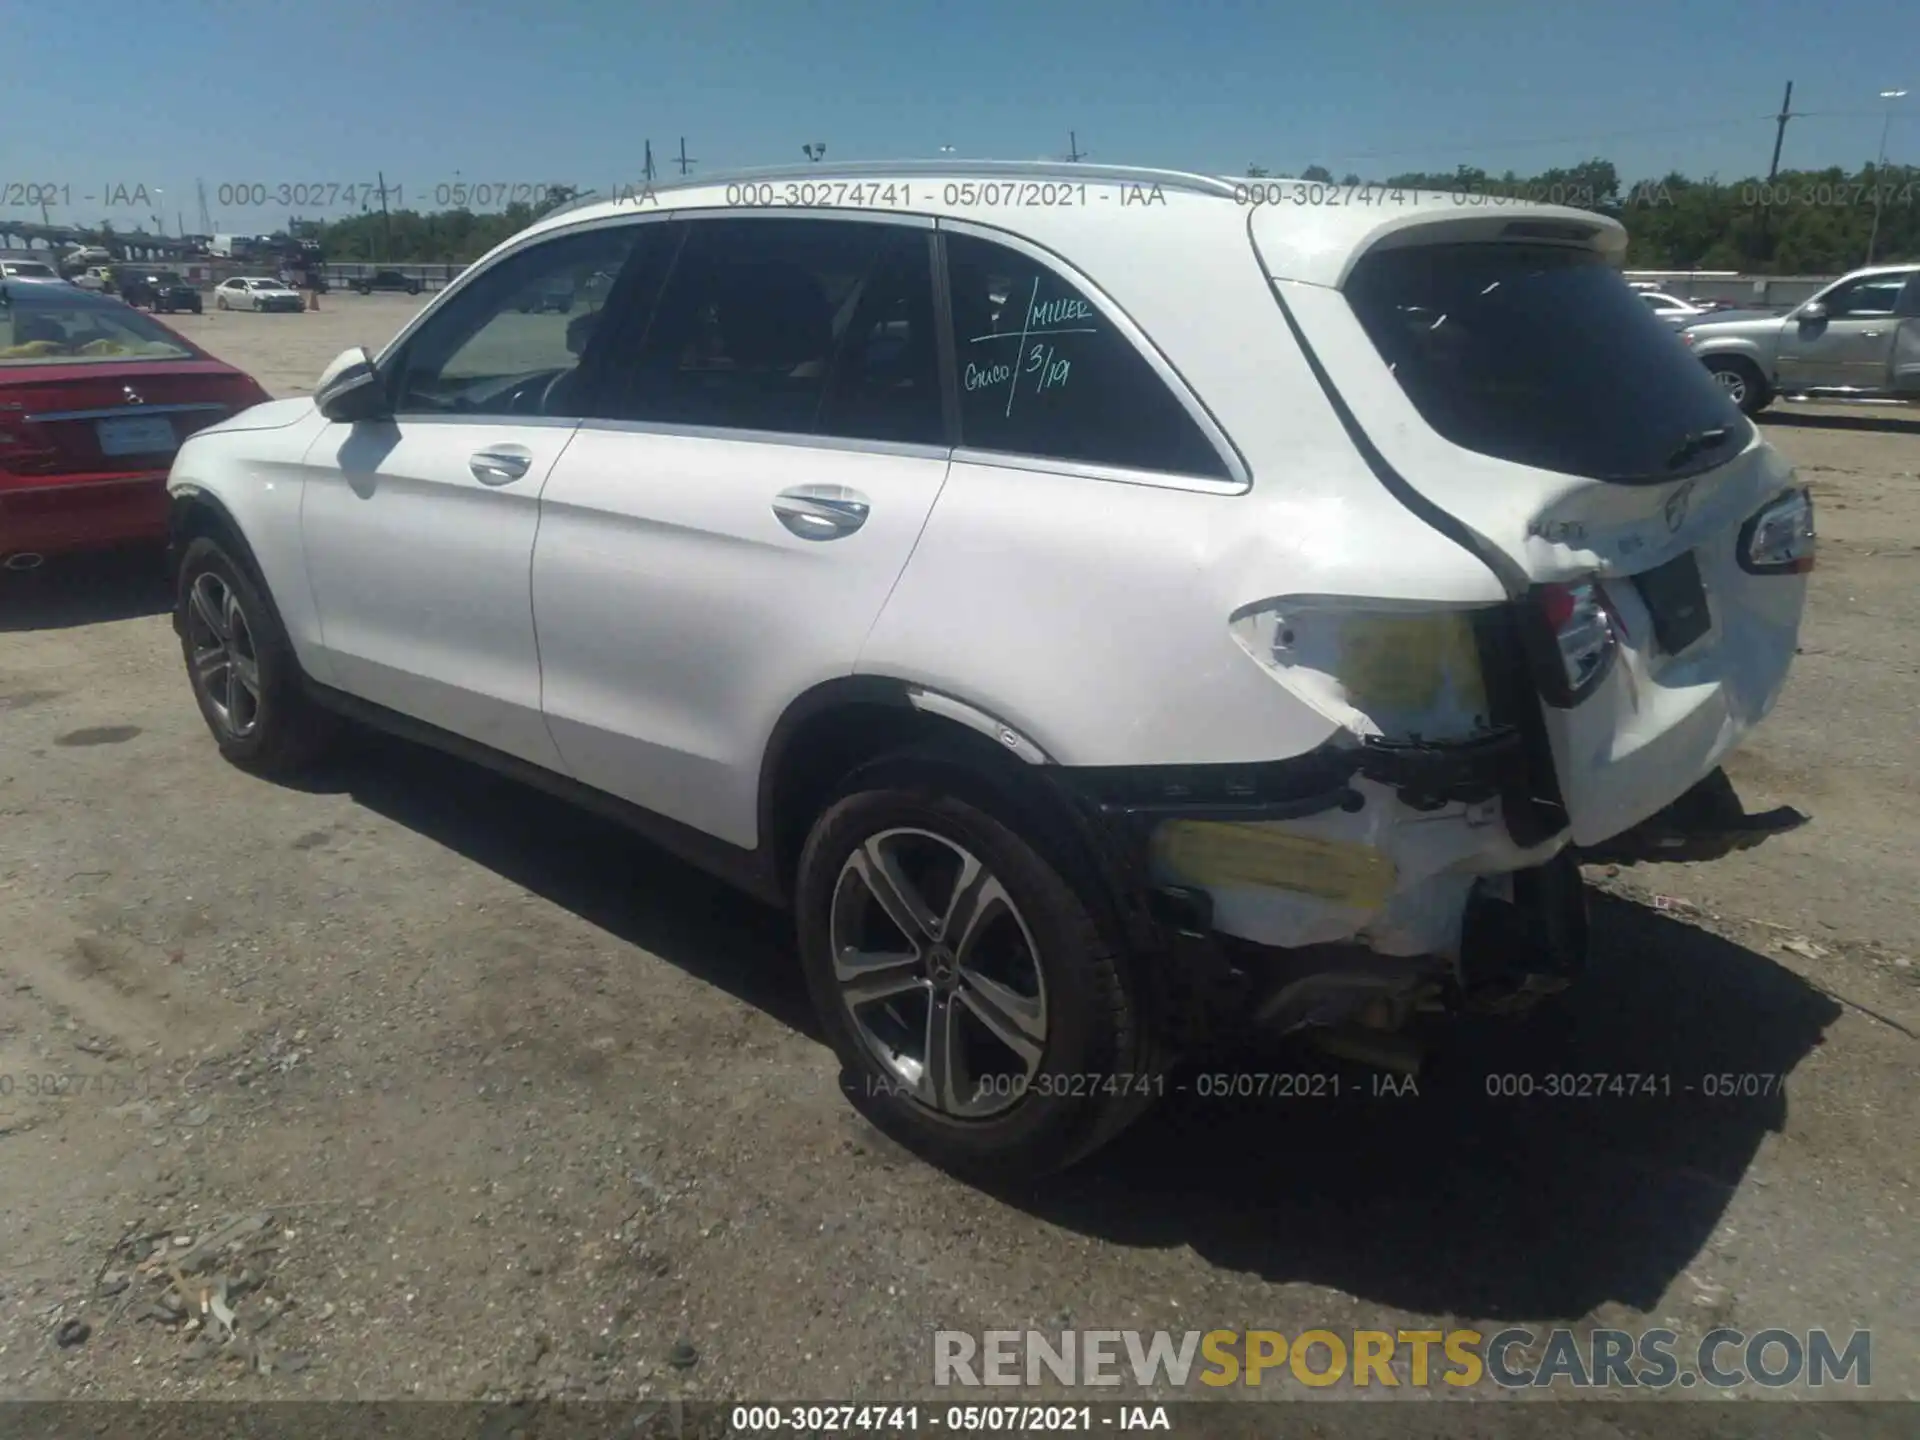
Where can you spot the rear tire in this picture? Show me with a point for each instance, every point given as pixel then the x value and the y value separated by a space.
pixel 241 666
pixel 1743 383
pixel 1032 1005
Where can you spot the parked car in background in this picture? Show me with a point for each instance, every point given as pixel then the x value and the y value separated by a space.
pixel 162 291
pixel 1858 339
pixel 27 270
pixel 1673 311
pixel 552 295
pixel 1103 658
pixel 95 397
pixel 96 277
pixel 390 281
pixel 256 292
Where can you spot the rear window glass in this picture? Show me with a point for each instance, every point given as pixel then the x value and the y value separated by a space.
pixel 56 331
pixel 1542 356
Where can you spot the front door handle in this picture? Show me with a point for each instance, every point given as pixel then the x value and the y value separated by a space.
pixel 1871 334
pixel 821 512
pixel 500 465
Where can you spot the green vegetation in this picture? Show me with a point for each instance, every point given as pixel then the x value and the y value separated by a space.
pixel 1806 222
pixel 445 237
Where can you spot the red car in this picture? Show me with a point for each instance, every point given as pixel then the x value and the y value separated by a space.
pixel 95 397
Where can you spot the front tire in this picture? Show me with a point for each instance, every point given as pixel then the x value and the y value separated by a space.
pixel 1743 383
pixel 983 1017
pixel 220 303
pixel 241 666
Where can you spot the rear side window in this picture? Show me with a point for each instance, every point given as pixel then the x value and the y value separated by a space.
pixel 1041 370
pixel 1542 356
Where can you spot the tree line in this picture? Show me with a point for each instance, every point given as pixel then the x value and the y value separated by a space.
pixel 1800 222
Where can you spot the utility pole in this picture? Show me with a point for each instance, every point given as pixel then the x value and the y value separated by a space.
pixel 1074 152
pixel 684 163
pixel 649 162
pixel 1780 131
pixel 1773 169
pixel 386 219
pixel 206 220
pixel 1880 164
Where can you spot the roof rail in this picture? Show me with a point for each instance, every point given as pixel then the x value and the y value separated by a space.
pixel 908 169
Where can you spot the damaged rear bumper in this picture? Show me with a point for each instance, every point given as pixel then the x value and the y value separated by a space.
pixel 1351 899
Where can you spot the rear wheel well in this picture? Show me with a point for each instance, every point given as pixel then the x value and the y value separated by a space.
pixel 822 751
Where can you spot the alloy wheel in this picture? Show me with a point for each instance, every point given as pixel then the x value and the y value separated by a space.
pixel 226 666
pixel 939 972
pixel 1734 384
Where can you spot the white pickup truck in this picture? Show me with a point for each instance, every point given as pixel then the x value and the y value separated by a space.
pixel 1858 339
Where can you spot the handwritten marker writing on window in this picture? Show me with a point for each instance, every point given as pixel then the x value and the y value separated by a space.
pixel 1049 370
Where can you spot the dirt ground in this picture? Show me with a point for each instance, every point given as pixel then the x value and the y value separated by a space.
pixel 463 1094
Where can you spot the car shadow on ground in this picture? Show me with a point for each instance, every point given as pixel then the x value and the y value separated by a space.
pixel 1449 1200
pixel 86 589
pixel 1898 422
pixel 601 872
pixel 1464 1198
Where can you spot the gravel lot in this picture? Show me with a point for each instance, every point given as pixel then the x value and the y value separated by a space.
pixel 534 1110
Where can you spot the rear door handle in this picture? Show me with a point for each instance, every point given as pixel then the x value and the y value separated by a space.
pixel 821 512
pixel 500 465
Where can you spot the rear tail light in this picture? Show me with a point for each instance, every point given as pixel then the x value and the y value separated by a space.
pixel 1584 636
pixel 1779 540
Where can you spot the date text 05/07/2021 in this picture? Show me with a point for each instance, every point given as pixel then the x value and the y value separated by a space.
pixel 952 1419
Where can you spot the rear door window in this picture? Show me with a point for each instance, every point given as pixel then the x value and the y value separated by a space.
pixel 1043 371
pixel 1541 355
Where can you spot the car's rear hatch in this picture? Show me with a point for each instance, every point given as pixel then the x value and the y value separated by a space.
pixel 1508 386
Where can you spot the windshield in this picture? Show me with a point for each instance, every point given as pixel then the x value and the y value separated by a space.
pixel 49 332
pixel 1541 355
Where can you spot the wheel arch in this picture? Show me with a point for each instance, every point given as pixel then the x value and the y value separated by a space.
pixel 840 725
pixel 193 512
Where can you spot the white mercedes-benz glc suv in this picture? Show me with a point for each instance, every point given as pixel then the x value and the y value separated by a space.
pixel 1112 608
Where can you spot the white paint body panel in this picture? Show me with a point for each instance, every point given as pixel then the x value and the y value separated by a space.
pixel 678 617
pixel 420 573
pixel 253 464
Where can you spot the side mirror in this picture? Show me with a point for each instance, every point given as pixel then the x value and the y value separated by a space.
pixel 350 388
pixel 1812 314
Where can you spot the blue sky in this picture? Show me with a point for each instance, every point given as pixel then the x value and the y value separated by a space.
pixel 159 95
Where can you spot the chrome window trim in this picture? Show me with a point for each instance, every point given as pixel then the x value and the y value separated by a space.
pixel 480 418
pixel 121 412
pixel 1086 470
pixel 903 448
pixel 1239 477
